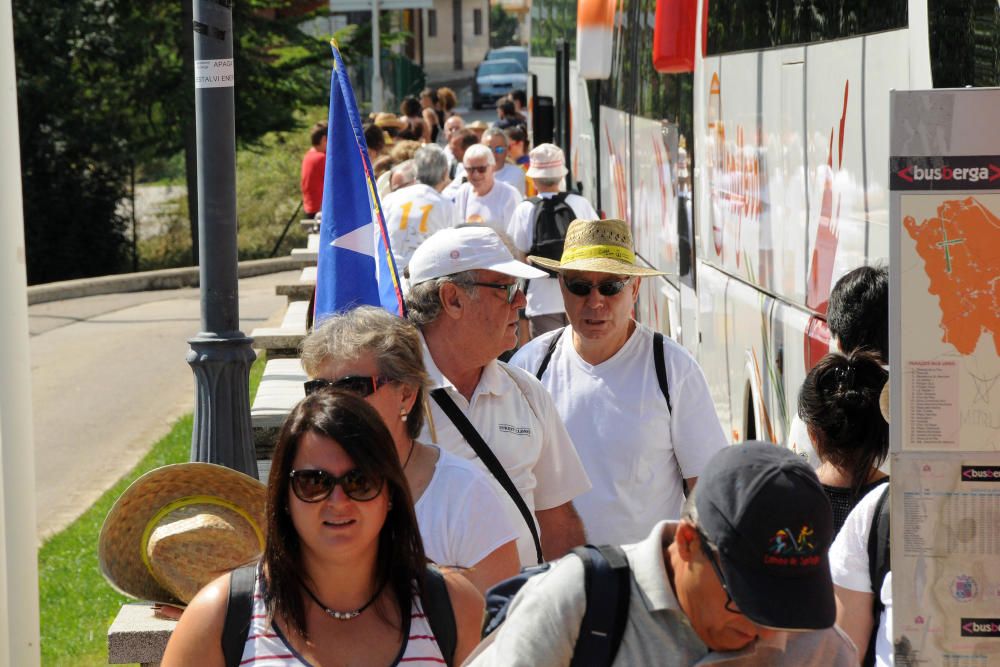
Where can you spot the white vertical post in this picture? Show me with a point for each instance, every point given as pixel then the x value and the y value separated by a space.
pixel 19 633
pixel 377 101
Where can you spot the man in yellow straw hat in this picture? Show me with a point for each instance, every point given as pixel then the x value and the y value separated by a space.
pixel 635 403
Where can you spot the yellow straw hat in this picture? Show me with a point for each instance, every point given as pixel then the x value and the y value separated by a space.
pixel 178 527
pixel 597 245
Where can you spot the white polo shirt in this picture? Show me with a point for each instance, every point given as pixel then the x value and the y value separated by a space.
pixel 519 422
pixel 494 209
pixel 513 176
pixel 544 295
pixel 635 451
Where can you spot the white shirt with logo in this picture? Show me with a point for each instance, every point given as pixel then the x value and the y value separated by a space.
pixel 411 215
pixel 544 295
pixel 519 422
pixel 634 451
pixel 493 209
pixel 513 176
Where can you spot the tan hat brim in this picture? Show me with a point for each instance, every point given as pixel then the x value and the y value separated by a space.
pixel 120 542
pixel 599 264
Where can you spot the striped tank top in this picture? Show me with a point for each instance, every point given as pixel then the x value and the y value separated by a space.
pixel 266 645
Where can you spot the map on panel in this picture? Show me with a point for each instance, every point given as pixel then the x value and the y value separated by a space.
pixel 950 270
pixel 961 254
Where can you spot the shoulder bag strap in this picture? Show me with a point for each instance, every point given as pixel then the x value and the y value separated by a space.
pixel 878 567
pixel 661 367
pixel 488 458
pixel 238 611
pixel 548 353
pixel 607 581
pixel 440 614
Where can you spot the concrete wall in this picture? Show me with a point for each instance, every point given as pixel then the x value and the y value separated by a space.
pixel 439 50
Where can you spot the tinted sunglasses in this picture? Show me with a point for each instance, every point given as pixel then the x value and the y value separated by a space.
pixel 712 557
pixel 499 150
pixel 583 288
pixel 478 170
pixel 511 288
pixel 314 485
pixel 362 385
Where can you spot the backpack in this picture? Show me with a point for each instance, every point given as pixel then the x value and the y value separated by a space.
pixel 235 629
pixel 878 568
pixel 607 582
pixel 552 217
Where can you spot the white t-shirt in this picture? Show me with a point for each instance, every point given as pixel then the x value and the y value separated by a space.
pixel 849 567
pixel 461 518
pixel 635 452
pixel 411 215
pixel 525 433
pixel 544 296
pixel 494 209
pixel 512 175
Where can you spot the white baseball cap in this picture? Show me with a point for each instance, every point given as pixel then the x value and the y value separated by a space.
pixel 458 249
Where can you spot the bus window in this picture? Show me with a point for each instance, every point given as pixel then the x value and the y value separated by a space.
pixel 750 25
pixel 965 42
pixel 660 96
pixel 619 93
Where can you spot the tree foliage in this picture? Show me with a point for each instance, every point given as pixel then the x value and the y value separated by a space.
pixel 503 28
pixel 102 86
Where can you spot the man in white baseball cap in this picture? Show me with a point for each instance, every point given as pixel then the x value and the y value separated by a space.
pixel 464 296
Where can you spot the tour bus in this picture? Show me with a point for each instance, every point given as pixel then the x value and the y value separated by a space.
pixel 747 144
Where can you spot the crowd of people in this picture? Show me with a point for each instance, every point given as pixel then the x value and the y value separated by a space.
pixel 421 472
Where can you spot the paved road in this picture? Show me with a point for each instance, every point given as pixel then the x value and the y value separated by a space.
pixel 109 378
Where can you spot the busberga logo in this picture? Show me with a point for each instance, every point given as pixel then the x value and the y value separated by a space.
pixel 981 627
pixel 981 473
pixel 960 172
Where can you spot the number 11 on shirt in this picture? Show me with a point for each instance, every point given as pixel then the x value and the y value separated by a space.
pixel 424 210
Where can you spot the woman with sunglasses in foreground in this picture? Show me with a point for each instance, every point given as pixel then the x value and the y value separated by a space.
pixel 462 521
pixel 343 575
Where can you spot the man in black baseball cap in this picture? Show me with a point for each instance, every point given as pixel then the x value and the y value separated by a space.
pixel 742 578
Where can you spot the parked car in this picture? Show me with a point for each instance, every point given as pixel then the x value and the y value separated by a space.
pixel 496 78
pixel 518 53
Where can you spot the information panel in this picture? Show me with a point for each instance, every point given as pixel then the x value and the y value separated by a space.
pixel 945 376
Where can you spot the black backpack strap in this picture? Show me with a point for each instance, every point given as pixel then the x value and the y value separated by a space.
pixel 878 567
pixel 548 353
pixel 608 585
pixel 488 458
pixel 440 614
pixel 238 611
pixel 661 367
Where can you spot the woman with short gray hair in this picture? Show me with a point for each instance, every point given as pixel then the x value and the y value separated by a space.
pixel 380 357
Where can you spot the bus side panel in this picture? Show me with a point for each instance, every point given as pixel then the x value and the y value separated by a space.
pixel 584 147
pixel 713 355
pixel 615 183
pixel 790 326
pixel 886 68
pixel 654 200
pixel 748 312
pixel 658 306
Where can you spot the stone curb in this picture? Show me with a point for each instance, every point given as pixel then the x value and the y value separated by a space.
pixel 148 280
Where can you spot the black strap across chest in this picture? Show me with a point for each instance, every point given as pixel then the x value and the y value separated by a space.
pixel 488 458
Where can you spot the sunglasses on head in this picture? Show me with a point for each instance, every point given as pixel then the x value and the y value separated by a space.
pixel 606 288
pixel 510 288
pixel 478 170
pixel 362 385
pixel 315 485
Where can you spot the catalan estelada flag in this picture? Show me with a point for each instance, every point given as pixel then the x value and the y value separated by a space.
pixel 355 265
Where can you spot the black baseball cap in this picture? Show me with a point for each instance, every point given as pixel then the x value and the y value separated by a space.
pixel 765 510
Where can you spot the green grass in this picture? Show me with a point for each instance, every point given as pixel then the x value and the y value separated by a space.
pixel 77 604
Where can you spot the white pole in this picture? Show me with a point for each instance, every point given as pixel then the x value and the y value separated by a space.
pixel 377 101
pixel 19 638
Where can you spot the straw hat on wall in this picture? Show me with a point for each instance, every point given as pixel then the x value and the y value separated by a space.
pixel 179 527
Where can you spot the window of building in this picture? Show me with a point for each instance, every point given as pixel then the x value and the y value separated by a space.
pixel 432 23
pixel 477 21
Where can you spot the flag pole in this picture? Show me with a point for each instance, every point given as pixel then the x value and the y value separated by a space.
pixel 377 101
pixel 19 627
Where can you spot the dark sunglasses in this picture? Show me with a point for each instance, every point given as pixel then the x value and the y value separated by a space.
pixel 511 288
pixel 478 170
pixel 499 150
pixel 717 568
pixel 362 385
pixel 583 288
pixel 313 486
